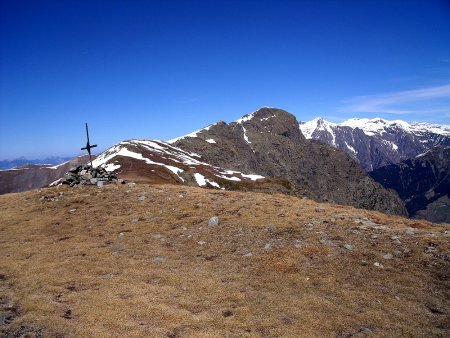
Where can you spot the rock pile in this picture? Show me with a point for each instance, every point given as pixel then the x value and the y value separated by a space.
pixel 87 175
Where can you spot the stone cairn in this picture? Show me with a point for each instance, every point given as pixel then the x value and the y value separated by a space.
pixel 87 175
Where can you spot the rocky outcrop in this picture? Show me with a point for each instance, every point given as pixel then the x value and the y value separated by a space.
pixel 423 183
pixel 87 175
pixel 268 142
pixel 375 143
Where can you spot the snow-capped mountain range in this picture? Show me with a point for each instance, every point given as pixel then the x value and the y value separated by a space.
pixel 377 142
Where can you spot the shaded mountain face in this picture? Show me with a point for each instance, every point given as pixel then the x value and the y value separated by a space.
pixel 423 183
pixel 375 143
pixel 34 176
pixel 152 161
pixel 269 142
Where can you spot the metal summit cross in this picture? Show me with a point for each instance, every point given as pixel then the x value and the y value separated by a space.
pixel 88 146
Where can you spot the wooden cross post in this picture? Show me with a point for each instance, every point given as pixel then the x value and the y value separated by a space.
pixel 88 146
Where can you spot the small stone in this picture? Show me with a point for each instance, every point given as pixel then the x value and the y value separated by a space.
pixel 378 265
pixel 227 313
pixel 100 184
pixel 72 210
pixel 213 221
pixel 248 254
pixel 271 228
pixel 349 246
pixel 122 234
pixel 267 246
pixel 327 242
pixel 67 314
pixel 201 242
pixel 159 259
pixel 388 256
pixel 410 231
pixel 365 330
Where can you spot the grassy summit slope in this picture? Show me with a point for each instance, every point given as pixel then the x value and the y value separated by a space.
pixel 142 261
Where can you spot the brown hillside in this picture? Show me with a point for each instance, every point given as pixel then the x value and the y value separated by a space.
pixel 142 261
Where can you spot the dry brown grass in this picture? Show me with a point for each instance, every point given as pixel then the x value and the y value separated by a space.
pixel 142 262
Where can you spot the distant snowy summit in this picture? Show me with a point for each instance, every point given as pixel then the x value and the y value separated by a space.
pixel 377 142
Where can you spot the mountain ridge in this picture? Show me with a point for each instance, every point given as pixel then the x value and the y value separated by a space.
pixel 269 142
pixel 376 142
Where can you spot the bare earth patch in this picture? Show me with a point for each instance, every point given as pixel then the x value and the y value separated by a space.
pixel 145 261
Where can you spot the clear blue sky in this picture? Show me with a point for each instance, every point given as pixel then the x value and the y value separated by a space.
pixel 160 69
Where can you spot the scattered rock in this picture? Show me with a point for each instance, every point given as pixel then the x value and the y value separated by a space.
pixel 369 224
pixel 159 259
pixel 378 265
pixel 67 314
pixel 327 242
pixel 365 330
pixel 248 254
pixel 72 210
pixel 227 313
pixel 5 318
pixel 388 256
pixel 410 231
pixel 213 221
pixel 201 242
pixel 24 331
pixel 395 239
pixel 349 246
pixel 267 246
pixel 271 228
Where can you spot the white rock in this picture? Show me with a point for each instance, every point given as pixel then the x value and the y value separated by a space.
pixel 388 256
pixel 213 221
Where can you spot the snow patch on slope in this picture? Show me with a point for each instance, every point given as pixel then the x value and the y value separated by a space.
pixel 193 134
pixel 202 181
pixel 245 135
pixel 122 151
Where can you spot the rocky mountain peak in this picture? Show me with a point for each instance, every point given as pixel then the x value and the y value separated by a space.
pixel 268 142
pixel 274 121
